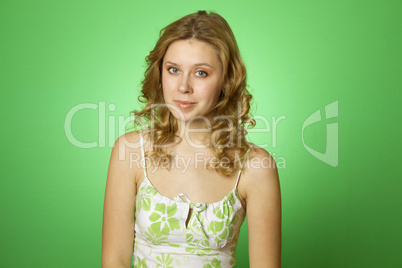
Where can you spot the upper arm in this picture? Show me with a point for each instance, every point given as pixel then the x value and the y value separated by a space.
pixel 119 205
pixel 263 208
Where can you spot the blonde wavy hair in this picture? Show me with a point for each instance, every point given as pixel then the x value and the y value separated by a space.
pixel 233 106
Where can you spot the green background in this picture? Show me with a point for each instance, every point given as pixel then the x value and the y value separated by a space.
pixel 300 56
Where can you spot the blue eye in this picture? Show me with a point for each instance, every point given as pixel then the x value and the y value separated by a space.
pixel 201 73
pixel 173 70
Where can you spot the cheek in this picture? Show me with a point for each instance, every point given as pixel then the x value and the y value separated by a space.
pixel 167 86
pixel 212 92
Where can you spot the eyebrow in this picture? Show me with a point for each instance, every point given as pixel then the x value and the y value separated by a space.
pixel 197 64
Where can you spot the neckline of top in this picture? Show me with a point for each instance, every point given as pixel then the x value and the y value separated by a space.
pixel 179 200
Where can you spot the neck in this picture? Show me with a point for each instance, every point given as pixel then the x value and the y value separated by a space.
pixel 196 133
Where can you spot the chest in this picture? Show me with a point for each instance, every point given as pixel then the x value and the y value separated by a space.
pixel 161 220
pixel 196 181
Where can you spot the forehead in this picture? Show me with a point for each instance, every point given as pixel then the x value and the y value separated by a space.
pixel 192 51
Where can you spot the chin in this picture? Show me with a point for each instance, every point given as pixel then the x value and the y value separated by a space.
pixel 190 118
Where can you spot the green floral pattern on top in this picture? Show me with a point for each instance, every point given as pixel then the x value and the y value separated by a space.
pixel 215 263
pixel 165 237
pixel 164 261
pixel 141 263
pixel 163 220
pixel 145 202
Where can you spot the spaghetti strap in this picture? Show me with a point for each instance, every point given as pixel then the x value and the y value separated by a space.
pixel 143 154
pixel 241 168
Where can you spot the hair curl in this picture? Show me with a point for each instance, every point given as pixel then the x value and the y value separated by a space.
pixel 233 106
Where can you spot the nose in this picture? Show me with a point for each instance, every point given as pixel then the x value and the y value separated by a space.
pixel 185 84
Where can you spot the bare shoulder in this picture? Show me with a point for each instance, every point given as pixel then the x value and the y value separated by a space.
pixel 259 174
pixel 119 206
pixel 261 159
pixel 259 165
pixel 260 185
pixel 126 144
pixel 126 153
pixel 130 138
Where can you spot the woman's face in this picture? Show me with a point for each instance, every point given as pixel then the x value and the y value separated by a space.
pixel 191 79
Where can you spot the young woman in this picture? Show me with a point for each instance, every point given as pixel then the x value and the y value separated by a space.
pixel 179 189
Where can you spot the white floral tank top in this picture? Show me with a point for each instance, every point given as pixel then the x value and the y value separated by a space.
pixel 162 238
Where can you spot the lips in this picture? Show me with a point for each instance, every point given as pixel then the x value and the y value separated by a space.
pixel 185 104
